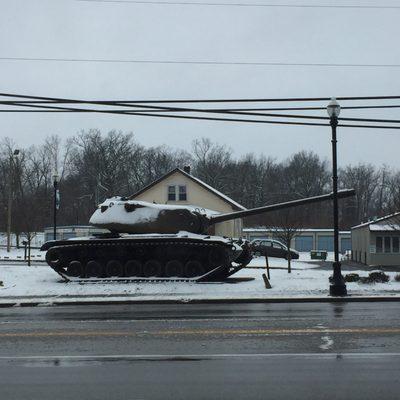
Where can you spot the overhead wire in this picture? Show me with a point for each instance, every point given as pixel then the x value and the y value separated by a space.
pixel 153 114
pixel 241 4
pixel 357 107
pixel 154 111
pixel 237 100
pixel 175 116
pixel 226 111
pixel 199 62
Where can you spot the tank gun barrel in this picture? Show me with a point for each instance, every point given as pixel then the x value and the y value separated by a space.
pixel 280 206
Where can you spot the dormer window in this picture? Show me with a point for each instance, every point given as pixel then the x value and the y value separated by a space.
pixel 177 193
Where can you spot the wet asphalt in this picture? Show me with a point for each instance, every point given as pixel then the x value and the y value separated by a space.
pixel 187 351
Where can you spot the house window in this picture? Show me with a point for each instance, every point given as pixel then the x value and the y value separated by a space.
pixel 379 244
pixel 387 244
pixel 395 243
pixel 171 193
pixel 182 193
pixel 177 192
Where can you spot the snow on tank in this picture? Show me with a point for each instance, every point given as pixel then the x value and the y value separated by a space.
pixel 131 216
pixel 121 215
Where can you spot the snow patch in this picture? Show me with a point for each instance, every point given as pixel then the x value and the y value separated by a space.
pixel 327 343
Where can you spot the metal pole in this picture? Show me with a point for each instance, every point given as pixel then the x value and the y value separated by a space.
pixel 55 211
pixel 9 205
pixel 9 221
pixel 338 285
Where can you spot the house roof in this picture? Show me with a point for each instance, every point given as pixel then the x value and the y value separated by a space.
pixel 377 222
pixel 209 188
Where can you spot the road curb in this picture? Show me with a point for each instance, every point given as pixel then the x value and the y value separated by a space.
pixel 348 299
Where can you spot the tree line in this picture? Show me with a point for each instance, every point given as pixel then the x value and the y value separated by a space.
pixel 93 166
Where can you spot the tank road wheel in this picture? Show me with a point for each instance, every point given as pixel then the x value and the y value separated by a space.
pixel 93 269
pixel 152 268
pixel 54 257
pixel 74 268
pixel 133 268
pixel 193 268
pixel 174 268
pixel 218 257
pixel 114 268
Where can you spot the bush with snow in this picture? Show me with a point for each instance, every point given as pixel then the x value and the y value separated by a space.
pixel 352 277
pixel 379 277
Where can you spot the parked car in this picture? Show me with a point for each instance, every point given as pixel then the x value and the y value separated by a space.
pixel 272 248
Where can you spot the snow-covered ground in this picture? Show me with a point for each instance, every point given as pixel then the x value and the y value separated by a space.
pixel 39 281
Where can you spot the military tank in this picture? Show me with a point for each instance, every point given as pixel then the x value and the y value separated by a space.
pixel 154 242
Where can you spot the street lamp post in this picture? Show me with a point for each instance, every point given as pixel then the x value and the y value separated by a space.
pixel 10 196
pixel 338 285
pixel 55 203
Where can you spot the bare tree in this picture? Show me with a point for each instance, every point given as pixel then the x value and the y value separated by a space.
pixel 365 180
pixel 285 225
pixel 211 162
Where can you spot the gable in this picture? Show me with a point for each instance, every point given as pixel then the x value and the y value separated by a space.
pixel 198 193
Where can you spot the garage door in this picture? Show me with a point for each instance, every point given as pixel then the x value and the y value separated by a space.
pixel 304 243
pixel 345 244
pixel 325 243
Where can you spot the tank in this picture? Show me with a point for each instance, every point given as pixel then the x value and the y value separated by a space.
pixel 154 242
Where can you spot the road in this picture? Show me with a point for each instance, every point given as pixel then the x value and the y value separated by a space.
pixel 232 351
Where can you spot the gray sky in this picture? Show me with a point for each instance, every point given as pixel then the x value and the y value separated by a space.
pixel 117 30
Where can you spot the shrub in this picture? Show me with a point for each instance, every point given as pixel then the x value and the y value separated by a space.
pixel 379 277
pixel 353 277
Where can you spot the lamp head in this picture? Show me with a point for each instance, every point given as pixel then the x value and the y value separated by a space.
pixel 333 108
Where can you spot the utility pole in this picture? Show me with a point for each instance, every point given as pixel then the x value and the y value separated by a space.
pixel 10 197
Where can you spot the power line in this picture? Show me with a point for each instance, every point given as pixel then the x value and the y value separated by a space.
pixel 237 100
pixel 191 3
pixel 273 122
pixel 204 111
pixel 226 111
pixel 27 102
pixel 152 113
pixel 190 62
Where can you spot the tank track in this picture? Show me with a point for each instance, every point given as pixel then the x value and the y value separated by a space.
pixel 102 260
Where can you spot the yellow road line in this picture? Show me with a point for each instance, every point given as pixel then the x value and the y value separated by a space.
pixel 277 331
pixel 261 331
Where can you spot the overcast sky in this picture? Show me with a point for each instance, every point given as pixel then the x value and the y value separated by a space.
pixel 122 30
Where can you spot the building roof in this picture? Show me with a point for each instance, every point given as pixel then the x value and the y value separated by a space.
pixel 382 227
pixel 306 230
pixel 209 188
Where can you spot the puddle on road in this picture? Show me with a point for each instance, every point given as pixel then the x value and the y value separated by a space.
pixel 84 362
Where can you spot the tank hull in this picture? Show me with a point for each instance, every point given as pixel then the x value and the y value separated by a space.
pixel 153 257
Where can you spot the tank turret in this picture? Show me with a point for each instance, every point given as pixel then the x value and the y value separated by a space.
pixel 121 215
